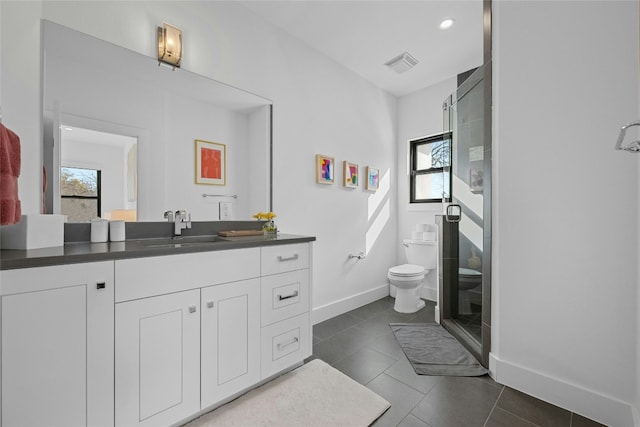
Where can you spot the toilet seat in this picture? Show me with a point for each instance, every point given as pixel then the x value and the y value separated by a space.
pixel 407 271
pixel 462 271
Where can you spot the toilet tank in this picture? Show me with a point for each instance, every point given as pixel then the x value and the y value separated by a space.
pixel 421 252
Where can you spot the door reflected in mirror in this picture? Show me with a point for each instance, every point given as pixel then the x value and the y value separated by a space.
pixel 98 175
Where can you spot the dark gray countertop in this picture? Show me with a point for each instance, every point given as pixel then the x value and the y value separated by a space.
pixel 80 252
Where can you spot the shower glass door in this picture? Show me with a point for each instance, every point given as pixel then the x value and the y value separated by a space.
pixel 464 116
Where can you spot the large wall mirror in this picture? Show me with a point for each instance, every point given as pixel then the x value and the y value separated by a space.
pixel 120 136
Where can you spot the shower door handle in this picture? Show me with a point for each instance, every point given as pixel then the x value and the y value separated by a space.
pixel 453 213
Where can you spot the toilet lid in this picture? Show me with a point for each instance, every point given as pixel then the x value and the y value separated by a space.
pixel 407 270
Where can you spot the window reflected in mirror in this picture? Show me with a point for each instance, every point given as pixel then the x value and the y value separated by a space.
pixel 80 193
pixel 98 175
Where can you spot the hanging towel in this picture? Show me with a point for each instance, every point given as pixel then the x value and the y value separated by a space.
pixel 10 209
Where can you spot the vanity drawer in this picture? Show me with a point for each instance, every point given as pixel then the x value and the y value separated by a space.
pixel 284 344
pixel 284 295
pixel 145 277
pixel 280 259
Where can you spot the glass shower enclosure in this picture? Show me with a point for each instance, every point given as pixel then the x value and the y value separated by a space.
pixel 464 286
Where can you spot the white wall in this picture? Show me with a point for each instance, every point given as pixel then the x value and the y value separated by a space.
pixel 319 107
pixel 565 206
pixel 419 114
pixel 258 167
pixel 193 121
pixel 21 102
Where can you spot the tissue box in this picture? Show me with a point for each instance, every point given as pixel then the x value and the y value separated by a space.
pixel 34 231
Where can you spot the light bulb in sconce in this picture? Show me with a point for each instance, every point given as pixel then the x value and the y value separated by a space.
pixel 169 45
pixel 447 23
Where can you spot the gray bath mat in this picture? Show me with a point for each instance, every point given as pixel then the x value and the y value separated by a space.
pixel 433 351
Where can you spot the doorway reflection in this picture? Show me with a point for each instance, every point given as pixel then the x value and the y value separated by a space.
pixel 97 175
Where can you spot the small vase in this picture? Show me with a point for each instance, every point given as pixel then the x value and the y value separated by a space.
pixel 269 227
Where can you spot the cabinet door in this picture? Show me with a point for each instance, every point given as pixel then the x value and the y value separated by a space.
pixel 158 359
pixel 57 346
pixel 230 339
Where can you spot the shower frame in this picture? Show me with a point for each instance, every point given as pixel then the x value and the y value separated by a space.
pixel 449 252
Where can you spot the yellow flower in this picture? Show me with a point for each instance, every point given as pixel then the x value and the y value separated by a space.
pixel 261 216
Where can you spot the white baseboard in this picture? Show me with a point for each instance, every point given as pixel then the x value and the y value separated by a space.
pixel 429 293
pixel 336 308
pixel 588 403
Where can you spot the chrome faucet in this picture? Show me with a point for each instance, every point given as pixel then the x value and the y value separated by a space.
pixel 182 220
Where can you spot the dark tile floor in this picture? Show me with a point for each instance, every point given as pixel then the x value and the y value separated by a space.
pixel 361 344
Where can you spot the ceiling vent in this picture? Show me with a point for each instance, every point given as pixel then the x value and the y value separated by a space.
pixel 402 63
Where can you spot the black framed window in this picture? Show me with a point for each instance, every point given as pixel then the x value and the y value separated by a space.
pixel 430 161
pixel 80 193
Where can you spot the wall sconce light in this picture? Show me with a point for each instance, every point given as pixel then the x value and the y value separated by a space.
pixel 169 45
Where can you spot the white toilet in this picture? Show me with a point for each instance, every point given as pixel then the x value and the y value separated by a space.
pixel 407 278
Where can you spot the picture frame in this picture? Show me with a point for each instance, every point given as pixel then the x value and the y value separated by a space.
pixel 373 179
pixel 211 162
pixel 325 169
pixel 476 177
pixel 351 174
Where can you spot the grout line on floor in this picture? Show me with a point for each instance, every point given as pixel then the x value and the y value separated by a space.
pixel 493 408
pixel 515 415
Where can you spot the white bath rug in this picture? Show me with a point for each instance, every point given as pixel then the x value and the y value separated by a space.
pixel 314 394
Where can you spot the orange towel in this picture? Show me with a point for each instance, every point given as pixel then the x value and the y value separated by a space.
pixel 10 209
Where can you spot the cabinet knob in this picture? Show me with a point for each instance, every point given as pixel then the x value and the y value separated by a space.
pixel 192 309
pixel 101 285
pixel 209 304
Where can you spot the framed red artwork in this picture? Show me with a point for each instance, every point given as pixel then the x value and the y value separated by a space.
pixel 211 163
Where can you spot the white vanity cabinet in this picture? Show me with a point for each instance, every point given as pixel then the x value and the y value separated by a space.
pixel 57 345
pixel 149 341
pixel 191 347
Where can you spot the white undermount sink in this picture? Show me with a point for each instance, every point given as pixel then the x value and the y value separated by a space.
pixel 180 241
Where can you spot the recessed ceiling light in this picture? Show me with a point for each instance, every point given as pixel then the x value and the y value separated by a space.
pixel 447 23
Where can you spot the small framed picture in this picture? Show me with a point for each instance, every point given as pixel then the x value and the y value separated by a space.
pixel 476 180
pixel 325 169
pixel 350 173
pixel 373 179
pixel 211 159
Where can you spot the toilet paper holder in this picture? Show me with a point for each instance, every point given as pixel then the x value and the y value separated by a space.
pixel 634 146
pixel 361 255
